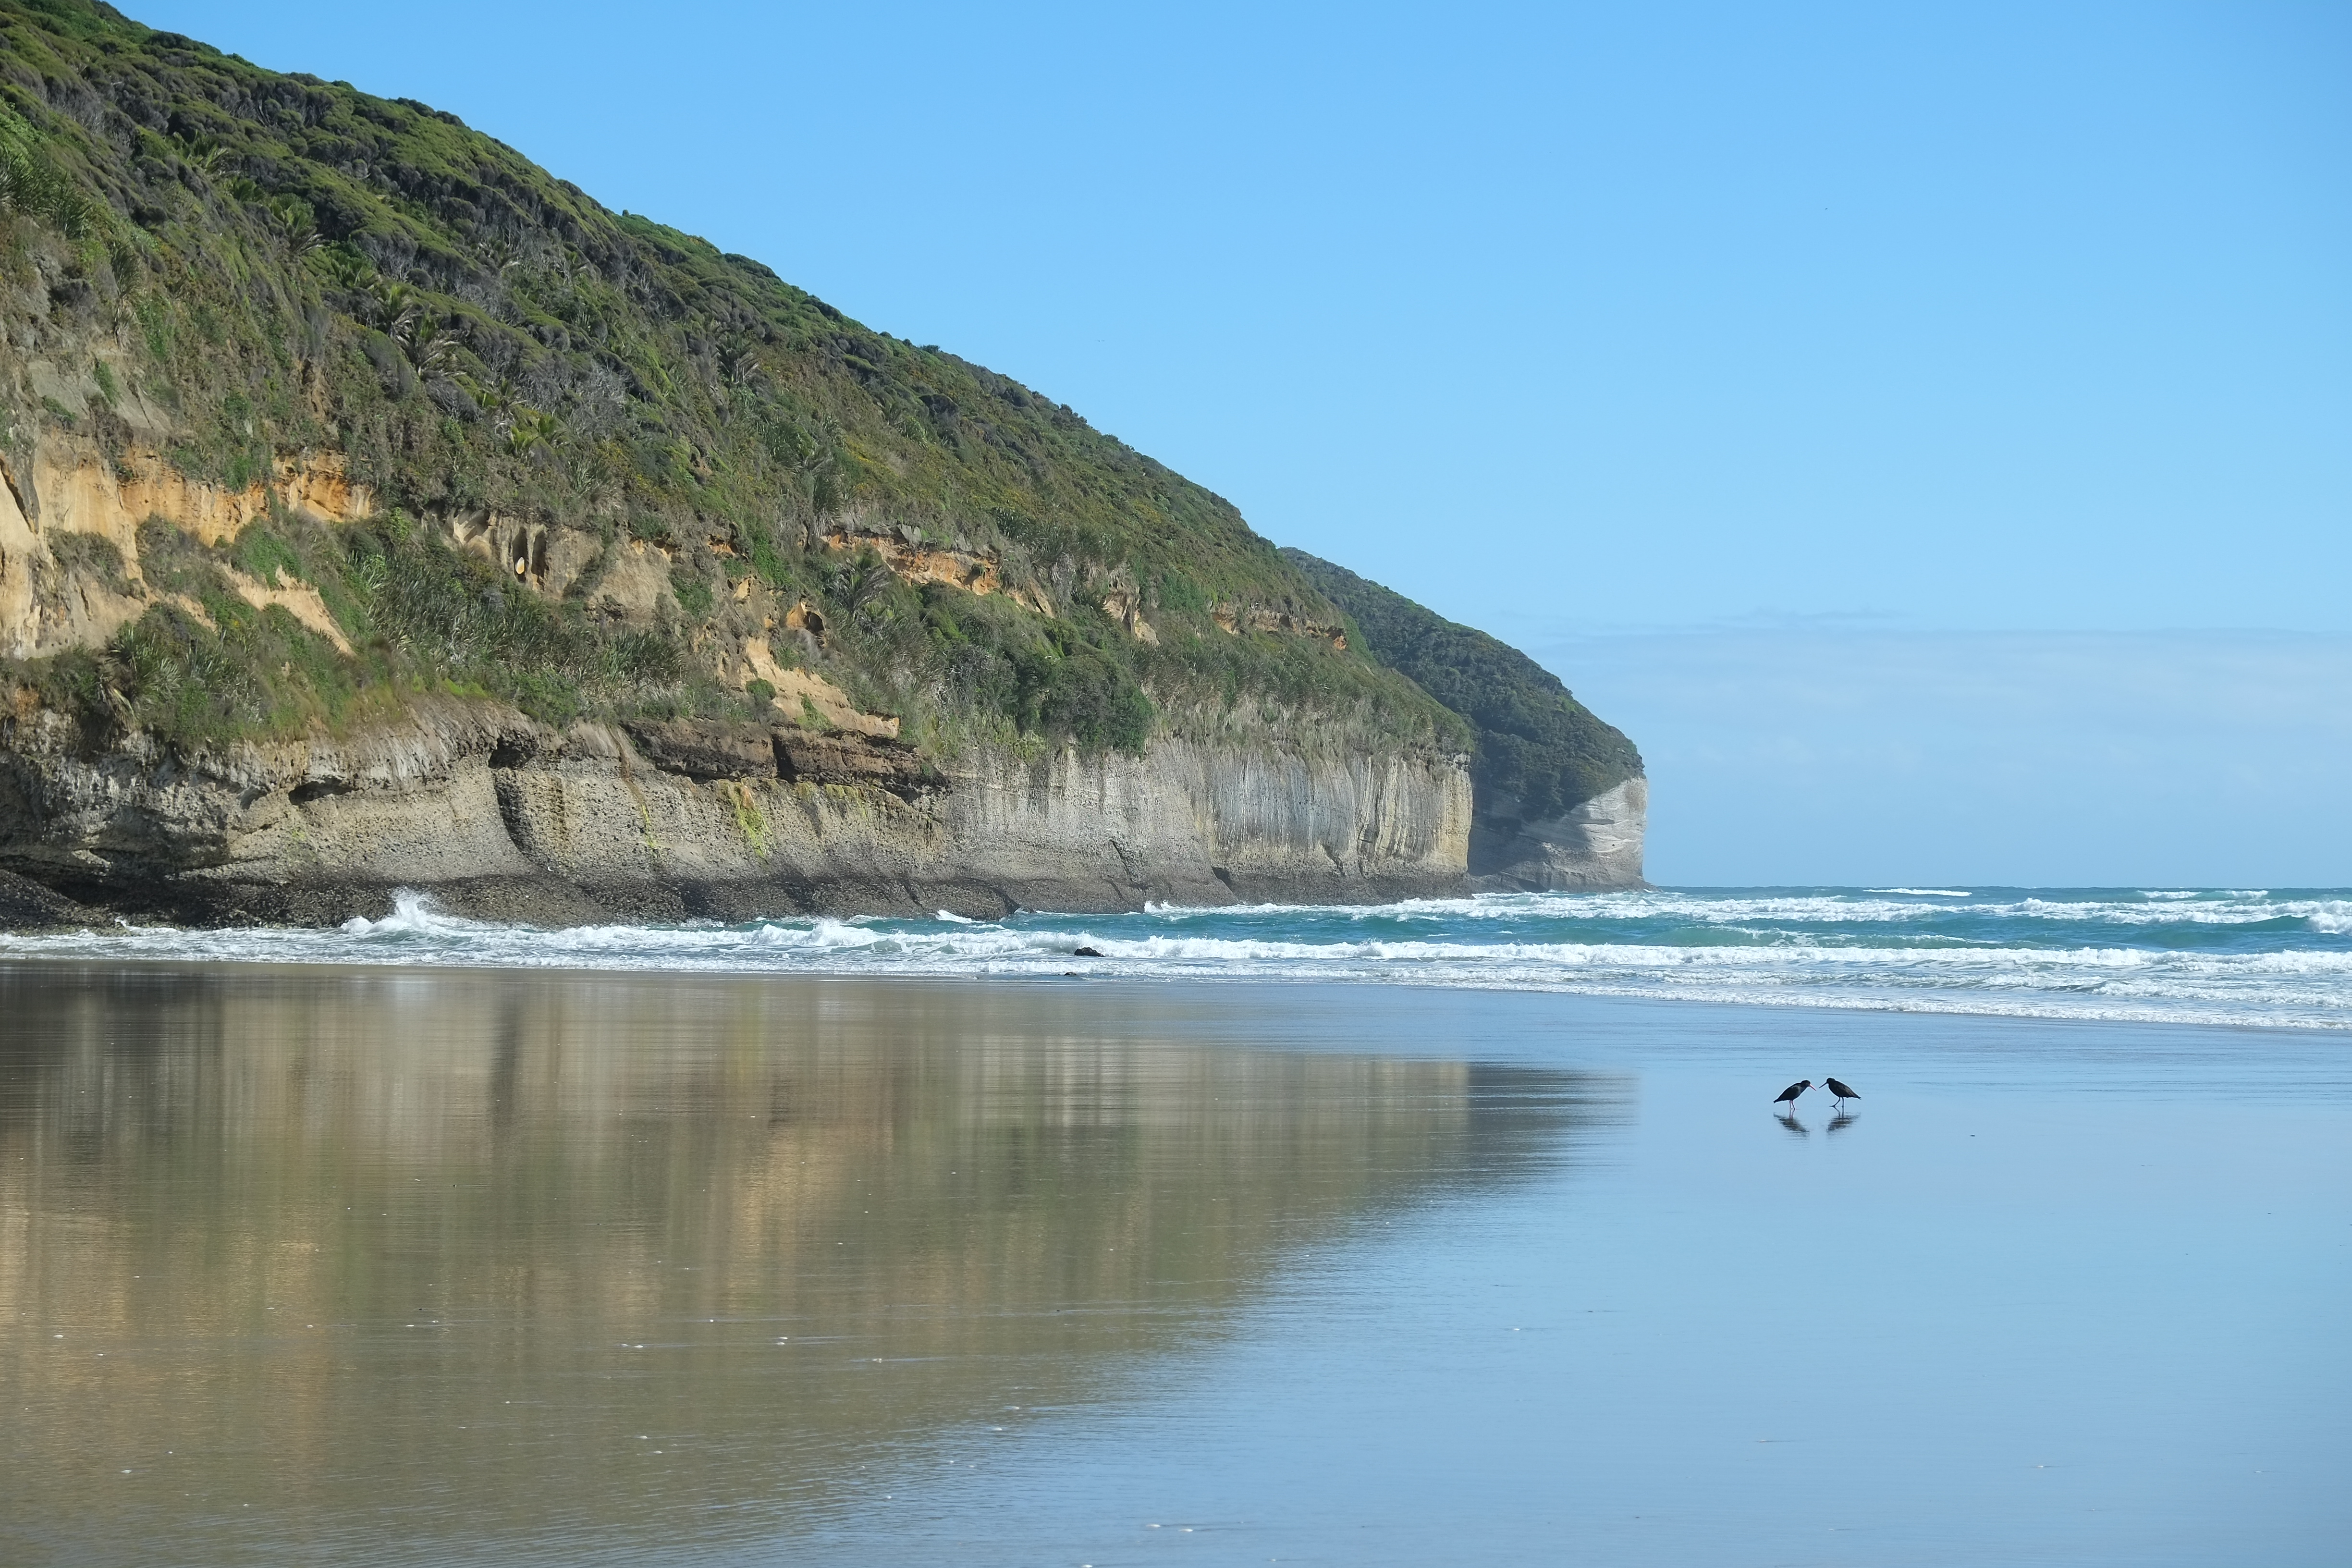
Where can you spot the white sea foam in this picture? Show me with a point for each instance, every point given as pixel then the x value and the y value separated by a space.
pixel 1925 892
pixel 2234 957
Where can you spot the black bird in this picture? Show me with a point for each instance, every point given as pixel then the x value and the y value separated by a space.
pixel 1788 1095
pixel 1842 1091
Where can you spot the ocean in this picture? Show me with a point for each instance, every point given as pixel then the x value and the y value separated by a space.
pixel 2265 957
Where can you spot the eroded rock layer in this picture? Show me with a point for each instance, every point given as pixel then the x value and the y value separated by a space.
pixel 499 816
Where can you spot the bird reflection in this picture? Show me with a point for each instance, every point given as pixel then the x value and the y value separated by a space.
pixel 1844 1120
pixel 1793 1125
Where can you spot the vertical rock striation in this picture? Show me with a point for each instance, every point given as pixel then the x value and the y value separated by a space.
pixel 1596 843
pixel 502 817
pixel 1559 796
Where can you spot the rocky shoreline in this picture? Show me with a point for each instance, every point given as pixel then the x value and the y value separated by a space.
pixel 500 817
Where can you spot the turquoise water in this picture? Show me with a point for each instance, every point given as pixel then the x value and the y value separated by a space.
pixel 2277 957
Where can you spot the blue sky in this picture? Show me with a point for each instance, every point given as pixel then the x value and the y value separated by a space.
pixel 1733 360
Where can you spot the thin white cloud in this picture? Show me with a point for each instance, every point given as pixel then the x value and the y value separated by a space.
pixel 1812 754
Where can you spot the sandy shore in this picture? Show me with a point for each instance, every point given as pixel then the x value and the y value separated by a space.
pixel 458 1265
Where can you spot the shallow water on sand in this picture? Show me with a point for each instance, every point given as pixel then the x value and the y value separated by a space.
pixel 425 1265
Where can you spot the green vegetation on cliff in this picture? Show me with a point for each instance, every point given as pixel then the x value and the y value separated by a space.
pixel 230 269
pixel 1539 751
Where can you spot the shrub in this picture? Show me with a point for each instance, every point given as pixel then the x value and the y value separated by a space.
pixel 693 592
pixel 262 555
pixel 90 555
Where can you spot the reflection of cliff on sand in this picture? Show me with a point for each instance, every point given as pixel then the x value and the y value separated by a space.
pixel 567 1257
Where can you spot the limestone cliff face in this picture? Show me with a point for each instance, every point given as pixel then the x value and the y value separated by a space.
pixel 1560 794
pixel 504 818
pixel 1597 844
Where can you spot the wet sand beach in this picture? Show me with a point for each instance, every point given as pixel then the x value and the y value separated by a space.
pixel 350 1265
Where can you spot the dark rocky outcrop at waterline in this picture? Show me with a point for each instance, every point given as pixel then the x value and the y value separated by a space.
pixel 28 906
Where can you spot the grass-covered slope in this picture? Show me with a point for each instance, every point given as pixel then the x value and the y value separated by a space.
pixel 1539 751
pixel 220 269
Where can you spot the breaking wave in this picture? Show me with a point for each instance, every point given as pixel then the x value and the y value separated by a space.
pixel 2216 956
